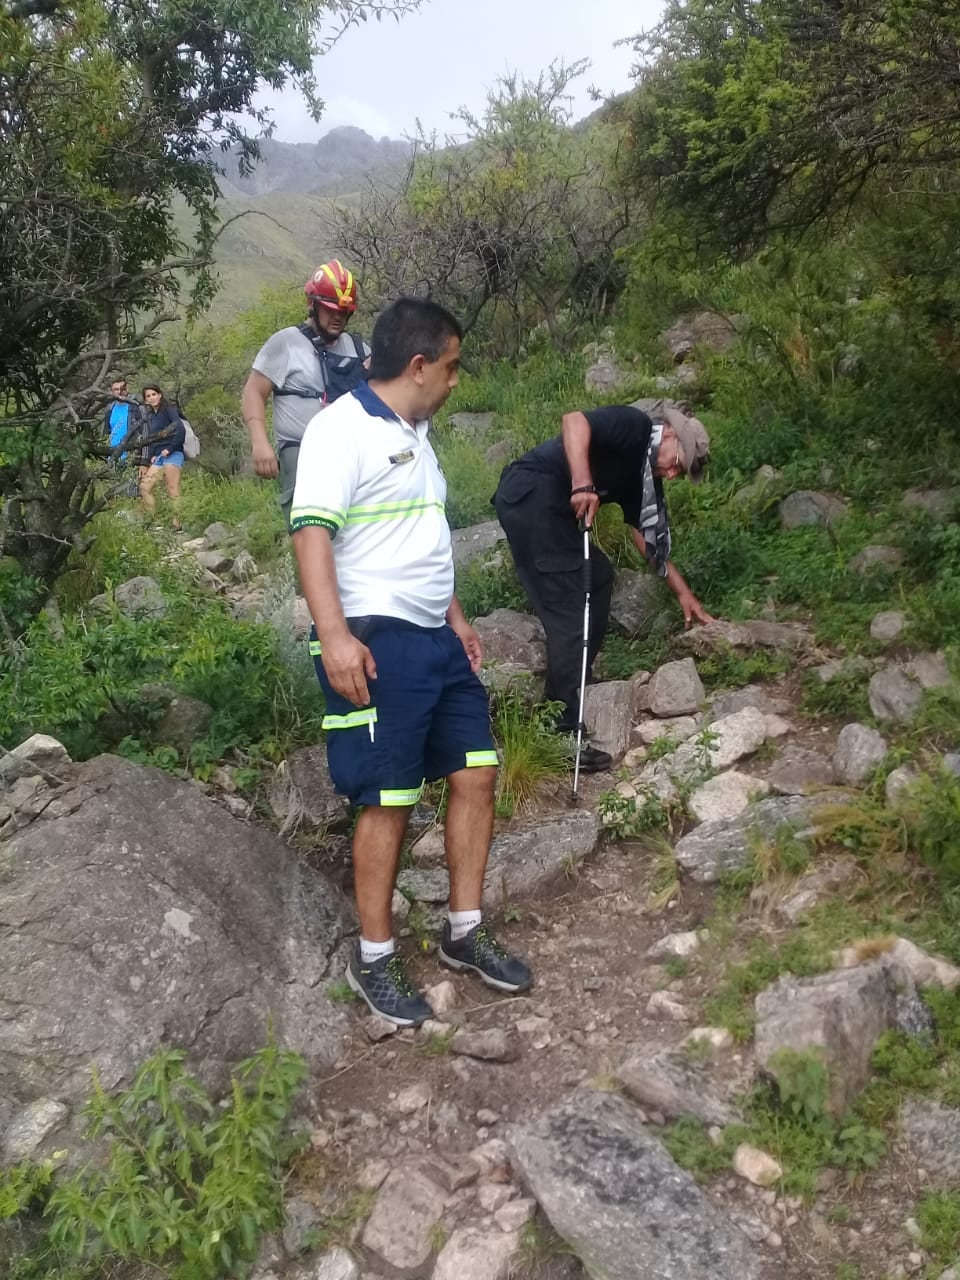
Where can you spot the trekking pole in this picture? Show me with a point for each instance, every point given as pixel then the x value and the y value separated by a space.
pixel 586 645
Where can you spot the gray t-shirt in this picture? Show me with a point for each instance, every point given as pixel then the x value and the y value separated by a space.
pixel 289 360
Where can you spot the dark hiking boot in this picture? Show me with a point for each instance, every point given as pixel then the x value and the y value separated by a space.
pixel 592 759
pixel 480 953
pixel 384 985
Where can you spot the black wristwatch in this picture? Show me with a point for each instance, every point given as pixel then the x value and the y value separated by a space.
pixel 584 488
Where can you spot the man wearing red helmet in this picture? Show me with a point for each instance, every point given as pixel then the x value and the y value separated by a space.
pixel 304 367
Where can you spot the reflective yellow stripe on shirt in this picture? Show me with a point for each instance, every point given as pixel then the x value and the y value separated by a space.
pixel 392 511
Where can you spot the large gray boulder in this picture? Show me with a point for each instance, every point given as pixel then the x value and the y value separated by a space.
pixel 472 542
pixel 837 1016
pixel 608 710
pixel 509 636
pixel 303 792
pixel 673 1083
pixel 931 1134
pixel 859 750
pixel 938 504
pixel 522 861
pixel 137 597
pixel 642 604
pixel 806 506
pixel 676 689
pixel 757 633
pixel 727 844
pixel 165 922
pixel 615 1194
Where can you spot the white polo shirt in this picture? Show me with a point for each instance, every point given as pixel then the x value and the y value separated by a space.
pixel 373 481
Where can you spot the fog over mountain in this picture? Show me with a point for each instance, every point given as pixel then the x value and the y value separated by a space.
pixel 337 163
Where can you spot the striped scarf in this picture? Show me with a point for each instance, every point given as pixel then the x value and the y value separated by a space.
pixel 654 524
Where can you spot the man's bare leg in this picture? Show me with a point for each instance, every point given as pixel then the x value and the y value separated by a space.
pixel 467 943
pixel 468 830
pixel 377 841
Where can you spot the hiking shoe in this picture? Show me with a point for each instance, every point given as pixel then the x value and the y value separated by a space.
pixel 592 759
pixel 480 952
pixel 384 985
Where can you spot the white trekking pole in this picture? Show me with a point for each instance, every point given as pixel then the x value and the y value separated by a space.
pixel 586 645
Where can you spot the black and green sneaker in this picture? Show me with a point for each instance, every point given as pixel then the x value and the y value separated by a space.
pixel 480 952
pixel 384 985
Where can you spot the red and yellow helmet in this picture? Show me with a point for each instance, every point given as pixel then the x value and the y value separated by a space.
pixel 333 286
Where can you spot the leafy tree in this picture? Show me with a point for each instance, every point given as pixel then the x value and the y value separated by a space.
pixel 518 223
pixel 109 110
pixel 759 117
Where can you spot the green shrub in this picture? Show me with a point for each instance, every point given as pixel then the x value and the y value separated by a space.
pixel 483 587
pixel 81 680
pixel 186 1187
pixel 931 810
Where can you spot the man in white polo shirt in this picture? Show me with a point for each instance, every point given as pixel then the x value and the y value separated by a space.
pixel 395 655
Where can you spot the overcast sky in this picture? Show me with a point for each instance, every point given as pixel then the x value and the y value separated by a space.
pixel 383 76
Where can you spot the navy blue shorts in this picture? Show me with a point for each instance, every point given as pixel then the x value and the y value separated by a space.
pixel 429 716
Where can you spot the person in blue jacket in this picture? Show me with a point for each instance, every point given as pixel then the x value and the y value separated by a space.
pixel 166 435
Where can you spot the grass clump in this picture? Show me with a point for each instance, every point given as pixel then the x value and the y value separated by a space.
pixel 532 753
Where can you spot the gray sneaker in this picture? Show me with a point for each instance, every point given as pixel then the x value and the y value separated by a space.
pixel 384 985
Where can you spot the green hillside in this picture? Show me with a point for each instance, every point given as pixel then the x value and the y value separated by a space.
pixel 268 241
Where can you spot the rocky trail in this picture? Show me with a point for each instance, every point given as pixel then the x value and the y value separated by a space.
pixel 532 1136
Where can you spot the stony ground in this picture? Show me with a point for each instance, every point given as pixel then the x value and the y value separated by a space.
pixel 625 958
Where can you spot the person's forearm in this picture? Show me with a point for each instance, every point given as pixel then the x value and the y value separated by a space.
pixel 455 614
pixel 575 433
pixel 254 410
pixel 676 580
pixel 318 577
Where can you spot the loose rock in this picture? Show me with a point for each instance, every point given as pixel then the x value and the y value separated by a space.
pixel 838 1015
pixel 756 1166
pixel 717 847
pixel 725 796
pixel 509 636
pixel 676 689
pixel 475 541
pixel 931 1134
pixel 608 710
pixel 590 1163
pixel 888 626
pixel 876 557
pixel 894 696
pixel 672 1083
pixel 491 1045
pixel 675 944
pixel 472 1253
pixel 642 604
pixel 808 507
pixel 859 750
pixel 798 770
pixel 523 860
pixel 407 1208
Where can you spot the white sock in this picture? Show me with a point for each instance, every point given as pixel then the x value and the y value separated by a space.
pixel 373 951
pixel 461 922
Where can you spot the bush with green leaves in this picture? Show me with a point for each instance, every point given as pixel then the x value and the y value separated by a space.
pixel 185 1186
pixel 82 679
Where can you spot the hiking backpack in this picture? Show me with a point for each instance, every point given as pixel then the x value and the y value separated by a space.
pixel 191 445
pixel 338 373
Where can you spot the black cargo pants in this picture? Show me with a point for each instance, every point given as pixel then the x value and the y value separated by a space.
pixel 547 547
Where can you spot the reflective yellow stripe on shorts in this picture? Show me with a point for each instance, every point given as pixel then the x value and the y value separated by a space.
pixel 394 799
pixel 366 715
pixel 477 758
pixel 316 648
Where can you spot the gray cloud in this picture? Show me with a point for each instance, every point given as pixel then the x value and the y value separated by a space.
pixel 385 76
